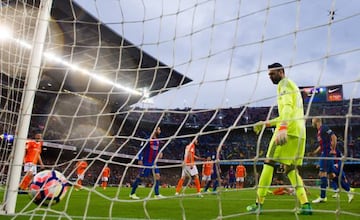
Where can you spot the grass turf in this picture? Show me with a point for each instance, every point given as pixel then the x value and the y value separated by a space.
pixel 114 203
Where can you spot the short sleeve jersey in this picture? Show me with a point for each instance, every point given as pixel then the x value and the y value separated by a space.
pixel 33 151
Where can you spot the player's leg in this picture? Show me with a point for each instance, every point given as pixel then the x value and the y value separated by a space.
pixel 297 183
pixel 215 185
pixel 30 170
pixel 103 182
pixel 204 180
pixel 144 172
pixel 291 155
pixel 265 177
pixel 208 183
pixel 180 183
pixel 194 173
pixel 79 181
pixel 268 171
pixel 326 167
pixel 346 186
pixel 157 184
pixel 334 185
pixel 241 182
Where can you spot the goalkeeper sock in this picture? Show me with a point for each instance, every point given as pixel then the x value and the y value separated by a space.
pixel 323 185
pixel 264 182
pixel 157 183
pixel 179 185
pixel 298 184
pixel 197 183
pixel 135 185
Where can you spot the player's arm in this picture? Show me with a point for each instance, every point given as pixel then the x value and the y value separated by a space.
pixel 198 158
pixel 333 144
pixel 316 151
pixel 141 156
pixel 40 161
pixel 288 106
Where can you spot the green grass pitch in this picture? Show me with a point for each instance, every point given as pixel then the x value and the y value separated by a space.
pixel 230 204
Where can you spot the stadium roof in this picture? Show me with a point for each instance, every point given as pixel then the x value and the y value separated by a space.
pixel 80 39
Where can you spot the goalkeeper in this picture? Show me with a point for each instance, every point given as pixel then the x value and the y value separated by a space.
pixel 287 145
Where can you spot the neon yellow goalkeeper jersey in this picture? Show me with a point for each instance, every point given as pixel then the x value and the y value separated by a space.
pixel 290 107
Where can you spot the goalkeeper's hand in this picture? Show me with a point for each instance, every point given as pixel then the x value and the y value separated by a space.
pixel 258 127
pixel 281 136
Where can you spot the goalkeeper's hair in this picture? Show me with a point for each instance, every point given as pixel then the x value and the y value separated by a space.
pixel 276 66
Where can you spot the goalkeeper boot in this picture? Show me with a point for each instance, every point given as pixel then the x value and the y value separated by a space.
pixel 305 209
pixel 254 208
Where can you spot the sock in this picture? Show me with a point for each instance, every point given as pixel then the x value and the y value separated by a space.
pixel 334 183
pixel 25 182
pixel 241 185
pixel 207 186
pixel 179 185
pixel 135 185
pixel 79 183
pixel 156 189
pixel 197 184
pixel 264 182
pixel 345 184
pixel 323 185
pixel 216 184
pixel 298 184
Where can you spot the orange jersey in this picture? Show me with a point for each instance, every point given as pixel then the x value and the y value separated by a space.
pixel 280 191
pixel 240 171
pixel 106 172
pixel 207 168
pixel 33 151
pixel 189 156
pixel 81 167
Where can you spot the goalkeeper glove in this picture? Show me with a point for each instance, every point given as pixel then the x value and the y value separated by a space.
pixel 258 127
pixel 281 136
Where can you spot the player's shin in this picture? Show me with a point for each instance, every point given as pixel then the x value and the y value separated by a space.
pixel 264 182
pixel 334 183
pixel 345 185
pixel 298 184
pixel 25 182
pixel 156 189
pixel 323 185
pixel 135 185
pixel 179 185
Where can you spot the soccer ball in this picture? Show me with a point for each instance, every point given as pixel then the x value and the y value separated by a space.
pixel 48 187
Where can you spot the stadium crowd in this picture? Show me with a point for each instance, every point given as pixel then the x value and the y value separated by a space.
pixel 237 143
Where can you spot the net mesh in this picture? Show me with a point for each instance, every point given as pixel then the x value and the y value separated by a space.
pixel 113 71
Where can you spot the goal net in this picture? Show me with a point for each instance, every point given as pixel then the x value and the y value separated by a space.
pixel 97 78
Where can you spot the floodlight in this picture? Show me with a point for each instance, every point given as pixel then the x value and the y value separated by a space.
pixel 5 32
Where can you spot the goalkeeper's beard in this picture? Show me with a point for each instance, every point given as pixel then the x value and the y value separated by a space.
pixel 276 79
